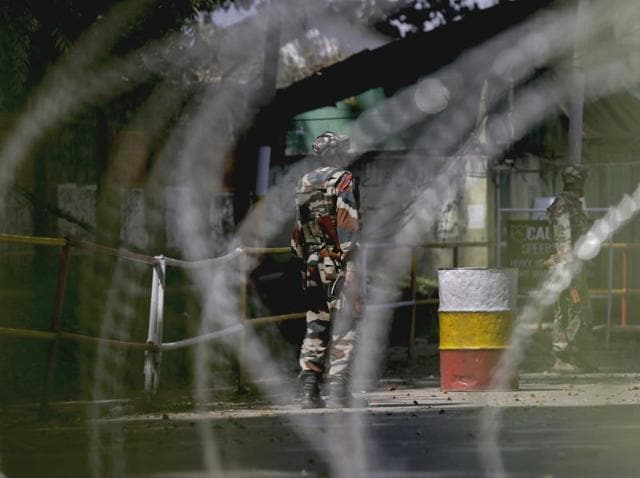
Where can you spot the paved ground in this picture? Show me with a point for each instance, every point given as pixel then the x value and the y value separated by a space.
pixel 553 426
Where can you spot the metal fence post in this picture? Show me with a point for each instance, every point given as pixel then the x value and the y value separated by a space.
pixel 499 237
pixel 609 294
pixel 242 309
pixel 156 313
pixel 625 284
pixel 56 322
pixel 412 325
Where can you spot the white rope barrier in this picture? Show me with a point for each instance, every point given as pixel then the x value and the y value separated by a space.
pixel 201 338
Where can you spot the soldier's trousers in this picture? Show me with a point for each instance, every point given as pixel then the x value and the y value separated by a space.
pixel 331 329
pixel 573 319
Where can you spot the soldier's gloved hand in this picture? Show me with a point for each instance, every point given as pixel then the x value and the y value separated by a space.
pixel 551 261
pixel 336 256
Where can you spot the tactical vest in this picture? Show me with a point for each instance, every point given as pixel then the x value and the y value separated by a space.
pixel 316 203
pixel 578 217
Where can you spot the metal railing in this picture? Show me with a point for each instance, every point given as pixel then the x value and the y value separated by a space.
pixel 155 345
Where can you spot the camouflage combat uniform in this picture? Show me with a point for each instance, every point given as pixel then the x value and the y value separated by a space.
pixel 573 317
pixel 325 238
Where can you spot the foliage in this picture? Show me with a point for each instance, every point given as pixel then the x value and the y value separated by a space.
pixel 36 34
pixel 302 57
pixel 15 45
pixel 425 15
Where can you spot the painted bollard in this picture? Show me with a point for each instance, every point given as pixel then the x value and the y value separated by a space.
pixel 476 314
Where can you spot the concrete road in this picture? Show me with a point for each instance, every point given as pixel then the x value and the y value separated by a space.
pixel 553 426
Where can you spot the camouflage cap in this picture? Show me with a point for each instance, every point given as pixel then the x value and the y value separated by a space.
pixel 330 143
pixel 575 173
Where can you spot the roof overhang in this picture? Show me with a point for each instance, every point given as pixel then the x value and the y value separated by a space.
pixel 399 63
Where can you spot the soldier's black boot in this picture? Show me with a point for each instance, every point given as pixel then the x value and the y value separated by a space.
pixel 311 389
pixel 564 363
pixel 341 397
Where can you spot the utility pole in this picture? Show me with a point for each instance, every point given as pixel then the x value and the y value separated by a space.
pixel 576 101
pixel 268 90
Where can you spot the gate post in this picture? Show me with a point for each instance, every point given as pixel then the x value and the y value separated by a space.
pixel 56 321
pixel 412 324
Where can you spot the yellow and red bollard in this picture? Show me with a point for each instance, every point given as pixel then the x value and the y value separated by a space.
pixel 477 314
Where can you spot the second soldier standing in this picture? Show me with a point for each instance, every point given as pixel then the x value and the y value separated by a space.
pixel 573 317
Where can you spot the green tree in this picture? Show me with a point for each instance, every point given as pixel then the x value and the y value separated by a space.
pixel 37 34
pixel 424 15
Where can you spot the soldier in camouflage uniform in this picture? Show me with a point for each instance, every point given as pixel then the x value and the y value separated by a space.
pixel 573 317
pixel 325 238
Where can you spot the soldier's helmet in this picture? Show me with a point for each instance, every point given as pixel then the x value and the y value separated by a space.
pixel 575 173
pixel 330 144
